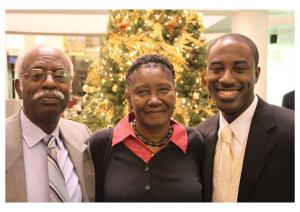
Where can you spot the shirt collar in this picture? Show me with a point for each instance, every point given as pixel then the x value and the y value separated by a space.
pixel 241 125
pixel 32 134
pixel 179 136
pixel 124 129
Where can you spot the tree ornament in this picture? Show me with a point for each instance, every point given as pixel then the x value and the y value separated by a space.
pixel 114 88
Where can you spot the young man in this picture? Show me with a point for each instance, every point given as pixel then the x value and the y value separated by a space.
pixel 256 164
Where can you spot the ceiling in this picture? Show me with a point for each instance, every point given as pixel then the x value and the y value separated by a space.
pixel 280 22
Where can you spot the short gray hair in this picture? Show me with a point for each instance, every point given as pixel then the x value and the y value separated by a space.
pixel 23 55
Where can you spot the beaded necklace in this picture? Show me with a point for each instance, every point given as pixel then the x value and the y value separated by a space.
pixel 150 143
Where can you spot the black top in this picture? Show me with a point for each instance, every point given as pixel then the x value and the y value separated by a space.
pixel 170 175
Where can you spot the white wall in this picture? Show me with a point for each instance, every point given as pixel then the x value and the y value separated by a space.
pixel 45 23
pixel 281 72
pixel 254 24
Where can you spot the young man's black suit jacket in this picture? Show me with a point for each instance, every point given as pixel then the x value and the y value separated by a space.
pixel 268 167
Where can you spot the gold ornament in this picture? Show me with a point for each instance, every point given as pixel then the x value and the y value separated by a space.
pixel 196 95
pixel 85 88
pixel 114 88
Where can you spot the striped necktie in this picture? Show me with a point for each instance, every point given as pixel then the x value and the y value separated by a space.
pixel 57 188
pixel 226 159
pixel 63 181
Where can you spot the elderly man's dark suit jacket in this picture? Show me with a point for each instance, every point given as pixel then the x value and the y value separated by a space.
pixel 268 168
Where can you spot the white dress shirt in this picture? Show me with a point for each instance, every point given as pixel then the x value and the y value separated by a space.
pixel 36 161
pixel 240 128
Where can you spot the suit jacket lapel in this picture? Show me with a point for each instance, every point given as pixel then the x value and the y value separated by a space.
pixel 258 149
pixel 14 162
pixel 76 153
pixel 210 145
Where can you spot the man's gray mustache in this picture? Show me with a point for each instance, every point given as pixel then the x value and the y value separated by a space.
pixel 55 93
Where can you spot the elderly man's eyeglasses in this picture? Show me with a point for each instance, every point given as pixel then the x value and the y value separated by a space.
pixel 38 75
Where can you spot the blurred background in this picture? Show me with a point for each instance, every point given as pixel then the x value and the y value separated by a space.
pixel 84 34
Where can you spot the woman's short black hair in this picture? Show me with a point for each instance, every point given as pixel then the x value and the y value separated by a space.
pixel 152 60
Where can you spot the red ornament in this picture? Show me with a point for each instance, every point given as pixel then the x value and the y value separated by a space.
pixel 171 27
pixel 122 27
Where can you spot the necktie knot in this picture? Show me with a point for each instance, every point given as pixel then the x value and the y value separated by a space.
pixel 50 142
pixel 48 139
pixel 226 135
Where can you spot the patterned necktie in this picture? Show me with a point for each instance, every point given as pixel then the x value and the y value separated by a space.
pixel 57 188
pixel 226 158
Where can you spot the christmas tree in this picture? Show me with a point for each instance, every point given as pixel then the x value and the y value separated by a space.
pixel 175 34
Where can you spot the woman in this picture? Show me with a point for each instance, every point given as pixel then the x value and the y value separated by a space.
pixel 148 156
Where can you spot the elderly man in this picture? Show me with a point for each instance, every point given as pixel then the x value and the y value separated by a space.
pixel 46 157
pixel 249 153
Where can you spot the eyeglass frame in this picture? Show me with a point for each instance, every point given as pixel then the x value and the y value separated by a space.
pixel 67 75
